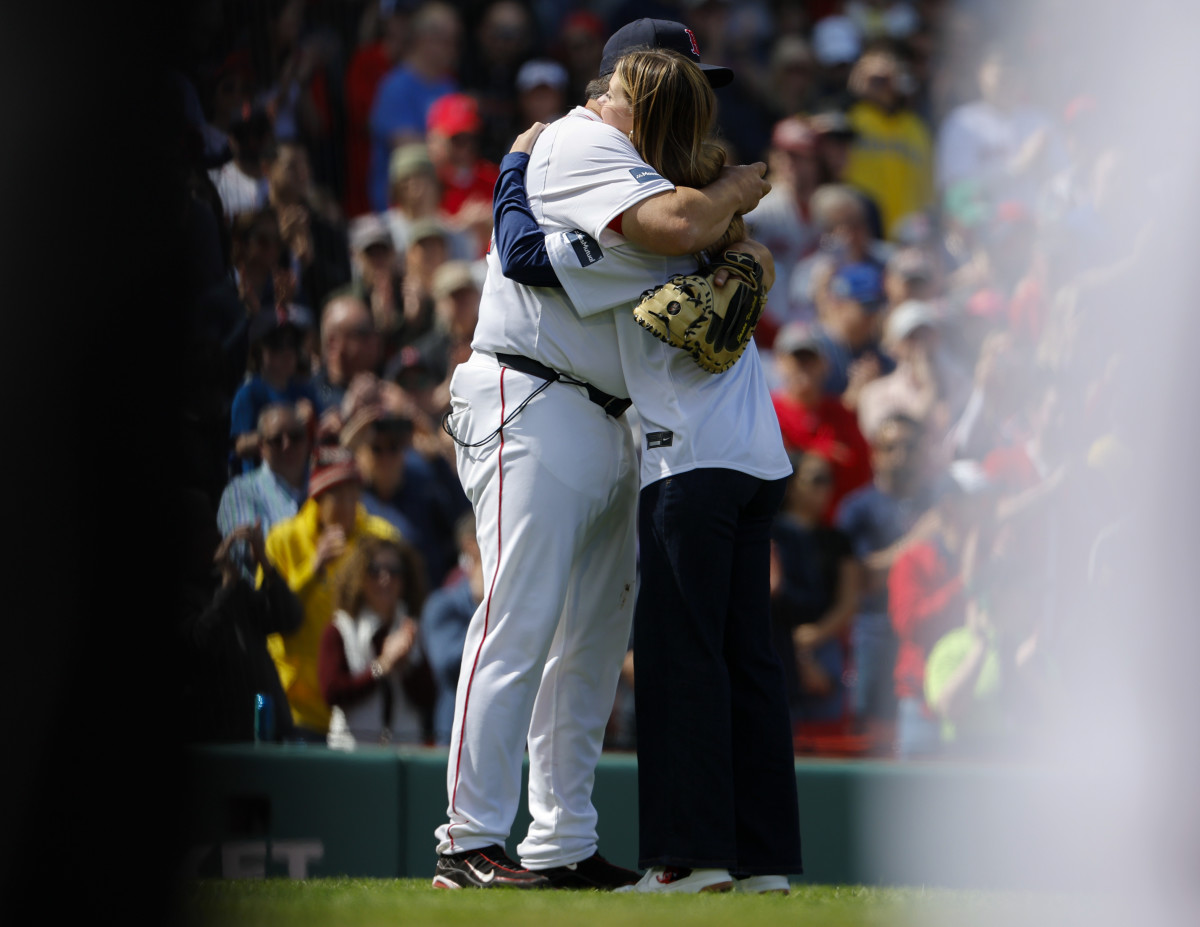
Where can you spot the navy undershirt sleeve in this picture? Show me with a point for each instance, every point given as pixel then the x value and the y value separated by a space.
pixel 519 240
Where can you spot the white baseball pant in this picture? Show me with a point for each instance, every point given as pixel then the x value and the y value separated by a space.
pixel 555 499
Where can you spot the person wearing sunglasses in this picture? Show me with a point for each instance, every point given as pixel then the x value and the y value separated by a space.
pixel 371 668
pixel 274 376
pixel 273 491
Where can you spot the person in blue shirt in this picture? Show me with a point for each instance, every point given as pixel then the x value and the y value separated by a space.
pixel 408 90
pixel 275 377
pixel 876 517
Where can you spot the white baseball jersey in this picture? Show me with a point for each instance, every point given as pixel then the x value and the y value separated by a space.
pixel 554 489
pixel 690 418
pixel 582 174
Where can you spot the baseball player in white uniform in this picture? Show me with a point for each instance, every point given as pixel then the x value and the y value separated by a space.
pixel 548 462
pixel 716 770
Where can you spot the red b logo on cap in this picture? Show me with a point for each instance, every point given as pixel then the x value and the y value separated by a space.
pixel 692 38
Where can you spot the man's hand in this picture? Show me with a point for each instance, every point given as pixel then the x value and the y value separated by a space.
pixel 760 253
pixel 750 183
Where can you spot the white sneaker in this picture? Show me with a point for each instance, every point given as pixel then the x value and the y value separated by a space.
pixel 762 884
pixel 671 879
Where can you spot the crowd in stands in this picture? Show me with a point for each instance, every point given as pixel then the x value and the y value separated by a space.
pixel 953 236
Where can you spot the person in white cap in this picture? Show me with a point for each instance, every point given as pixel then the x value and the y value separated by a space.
pixel 541 91
pixel 928 385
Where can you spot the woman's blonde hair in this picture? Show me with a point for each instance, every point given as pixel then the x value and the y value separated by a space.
pixel 673 113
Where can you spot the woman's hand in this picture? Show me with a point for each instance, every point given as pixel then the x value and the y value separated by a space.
pixel 524 141
pixel 397 645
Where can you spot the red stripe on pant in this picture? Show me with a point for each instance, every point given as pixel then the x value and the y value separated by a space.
pixel 487 614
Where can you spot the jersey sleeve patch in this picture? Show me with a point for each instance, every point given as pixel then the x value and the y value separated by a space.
pixel 644 174
pixel 586 248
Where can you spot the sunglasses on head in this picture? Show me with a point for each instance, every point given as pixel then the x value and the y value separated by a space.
pixel 378 569
pixel 293 435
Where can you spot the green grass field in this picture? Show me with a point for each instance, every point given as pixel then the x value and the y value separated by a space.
pixel 394 902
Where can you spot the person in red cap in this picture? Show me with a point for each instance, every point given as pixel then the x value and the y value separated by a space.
pixel 452 132
pixel 307 551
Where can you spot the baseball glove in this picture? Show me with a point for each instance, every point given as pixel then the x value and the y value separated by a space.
pixel 710 325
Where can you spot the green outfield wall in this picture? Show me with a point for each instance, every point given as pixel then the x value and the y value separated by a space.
pixel 301 811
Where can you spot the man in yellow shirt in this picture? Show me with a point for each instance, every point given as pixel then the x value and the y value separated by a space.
pixel 307 550
pixel 891 158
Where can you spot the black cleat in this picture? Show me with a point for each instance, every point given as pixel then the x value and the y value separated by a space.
pixel 593 872
pixel 487 867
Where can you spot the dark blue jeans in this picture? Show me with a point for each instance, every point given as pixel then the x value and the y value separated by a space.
pixel 716 766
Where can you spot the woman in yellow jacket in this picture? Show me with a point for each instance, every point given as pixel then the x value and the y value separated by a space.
pixel 307 551
pixel 891 158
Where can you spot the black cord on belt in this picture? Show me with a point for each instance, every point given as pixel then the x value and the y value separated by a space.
pixel 524 402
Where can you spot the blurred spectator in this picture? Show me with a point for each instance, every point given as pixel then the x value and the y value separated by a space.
pixel 372 669
pixel 791 87
pixel 302 71
pixel 232 84
pixel 444 621
pixel 850 327
pixel 503 40
pixel 379 282
pixel 841 219
pixel 909 273
pixel 274 377
pixel 782 219
pixel 580 46
pixel 453 135
pixel 987 680
pixel 430 244
pixel 928 384
pixel 349 346
pixel 242 182
pixel 991 414
pixel 834 136
pixel 926 599
pixel 307 550
pixel 999 143
pixel 876 517
pixel 224 660
pixel 836 44
pixel 275 490
pixel 404 488
pixel 456 295
pixel 814 591
pixel 255 251
pixel 402 101
pixel 891 158
pixel 383 43
pixel 314 242
pixel 813 421
pixel 541 94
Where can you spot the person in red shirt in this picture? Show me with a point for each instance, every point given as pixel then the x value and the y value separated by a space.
pixel 453 129
pixel 927 598
pixel 813 421
pixel 387 26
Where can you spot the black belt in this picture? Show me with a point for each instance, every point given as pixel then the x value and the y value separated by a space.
pixel 609 403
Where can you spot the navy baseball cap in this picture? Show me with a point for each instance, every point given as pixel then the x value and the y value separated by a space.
pixel 861 282
pixel 659 33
